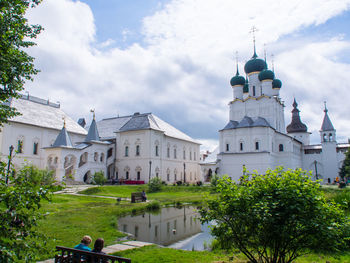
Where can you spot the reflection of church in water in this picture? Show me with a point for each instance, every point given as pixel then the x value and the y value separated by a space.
pixel 256 136
pixel 168 226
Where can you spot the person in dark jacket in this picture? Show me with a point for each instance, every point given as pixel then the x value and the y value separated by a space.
pixel 98 246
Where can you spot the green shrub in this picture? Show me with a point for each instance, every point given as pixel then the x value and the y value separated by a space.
pixel 154 205
pixel 154 185
pixel 99 178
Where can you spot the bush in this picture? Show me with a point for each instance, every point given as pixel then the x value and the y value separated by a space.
pixel 276 217
pixel 99 178
pixel 178 183
pixel 199 183
pixel 154 185
pixel 214 180
pixel 154 205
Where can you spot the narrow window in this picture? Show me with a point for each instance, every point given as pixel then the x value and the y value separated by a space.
pixel 184 155
pixel 138 175
pixel 280 147
pixel 168 152
pixel 136 231
pixel 168 227
pixel 241 146
pixel 253 90
pixel 127 175
pixel 102 157
pixel 156 231
pixel 227 147
pixel 256 145
pixel 137 150
pixel 330 137
pixel 20 146
pixel 175 177
pixel 194 155
pixel 35 148
pixel 109 152
pixel 126 151
pixel 168 177
pixel 157 153
pixel 157 175
pixel 174 153
pixel 324 137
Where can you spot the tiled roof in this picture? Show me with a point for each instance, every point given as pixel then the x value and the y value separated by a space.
pixel 63 139
pixel 35 111
pixel 93 133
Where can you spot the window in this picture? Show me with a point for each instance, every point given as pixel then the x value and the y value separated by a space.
pixel 184 155
pixel 136 231
pixel 35 148
pixel 137 150
pixel 157 152
pixel 127 175
pixel 168 152
pixel 280 147
pixel 157 175
pixel 168 177
pixel 191 156
pixel 253 90
pixel 175 153
pixel 102 157
pixel 20 146
pixel 126 151
pixel 194 156
pixel 330 137
pixel 241 146
pixel 227 147
pixel 257 146
pixel 109 152
pixel 138 175
pixel 95 157
pixel 168 227
pixel 324 137
pixel 156 231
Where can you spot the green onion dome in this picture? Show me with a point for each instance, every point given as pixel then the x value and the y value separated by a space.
pixel 254 64
pixel 266 74
pixel 246 87
pixel 237 80
pixel 276 84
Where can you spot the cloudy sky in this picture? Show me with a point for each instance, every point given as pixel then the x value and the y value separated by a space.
pixel 175 58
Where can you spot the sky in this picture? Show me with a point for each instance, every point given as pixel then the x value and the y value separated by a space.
pixel 175 58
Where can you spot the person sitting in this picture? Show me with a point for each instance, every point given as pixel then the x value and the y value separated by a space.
pixel 84 245
pixel 143 196
pixel 98 246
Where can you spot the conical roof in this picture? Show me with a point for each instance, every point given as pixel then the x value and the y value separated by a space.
pixel 63 139
pixel 296 125
pixel 326 124
pixel 93 132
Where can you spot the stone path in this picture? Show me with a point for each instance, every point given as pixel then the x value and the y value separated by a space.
pixel 114 248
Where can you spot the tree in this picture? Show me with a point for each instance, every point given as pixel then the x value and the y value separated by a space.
pixel 345 169
pixel 275 217
pixel 99 178
pixel 154 185
pixel 16 65
pixel 19 203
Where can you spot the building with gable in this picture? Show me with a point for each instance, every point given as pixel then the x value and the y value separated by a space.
pixel 255 135
pixel 136 147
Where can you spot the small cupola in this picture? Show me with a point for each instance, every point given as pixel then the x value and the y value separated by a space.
pixel 237 80
pixel 266 74
pixel 276 84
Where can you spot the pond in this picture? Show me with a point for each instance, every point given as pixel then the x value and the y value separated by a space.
pixel 175 227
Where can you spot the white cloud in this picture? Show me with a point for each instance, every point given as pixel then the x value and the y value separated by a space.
pixel 184 70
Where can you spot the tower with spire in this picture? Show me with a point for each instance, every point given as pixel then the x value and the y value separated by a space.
pixel 296 128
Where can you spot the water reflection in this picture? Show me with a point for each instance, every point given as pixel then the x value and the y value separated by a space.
pixel 169 226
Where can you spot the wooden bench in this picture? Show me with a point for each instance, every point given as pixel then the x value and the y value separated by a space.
pixel 71 255
pixel 136 197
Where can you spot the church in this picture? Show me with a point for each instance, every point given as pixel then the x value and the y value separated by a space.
pixel 256 137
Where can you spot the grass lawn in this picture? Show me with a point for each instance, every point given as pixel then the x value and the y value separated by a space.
pixel 168 194
pixel 69 217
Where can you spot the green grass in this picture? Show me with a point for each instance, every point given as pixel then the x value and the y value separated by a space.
pixel 68 218
pixel 168 194
pixel 151 254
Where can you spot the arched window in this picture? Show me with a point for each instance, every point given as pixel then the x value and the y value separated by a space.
pixel 330 136
pixel 157 150
pixel 194 156
pixel 191 156
pixel 184 155
pixel 127 175
pixel 102 157
pixel 281 148
pixel 95 156
pixel 324 137
pixel 35 148
pixel 257 146
pixel 253 90
pixel 174 153
pixel 137 150
pixel 138 175
pixel 227 147
pixel 20 142
pixel 168 152
pixel 241 146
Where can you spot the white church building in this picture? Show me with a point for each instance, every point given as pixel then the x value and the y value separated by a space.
pixel 133 148
pixel 256 136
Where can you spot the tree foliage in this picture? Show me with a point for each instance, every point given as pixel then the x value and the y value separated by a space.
pixel 16 65
pixel 276 217
pixel 19 203
pixel 99 178
pixel 345 169
pixel 154 185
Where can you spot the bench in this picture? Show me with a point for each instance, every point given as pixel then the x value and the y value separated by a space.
pixel 71 255
pixel 136 197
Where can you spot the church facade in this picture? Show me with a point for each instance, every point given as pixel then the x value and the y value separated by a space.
pixel 256 137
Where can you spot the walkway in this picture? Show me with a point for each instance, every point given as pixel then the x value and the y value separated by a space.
pixel 114 248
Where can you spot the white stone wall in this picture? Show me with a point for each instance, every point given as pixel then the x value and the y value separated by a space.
pixel 12 132
pixel 162 165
